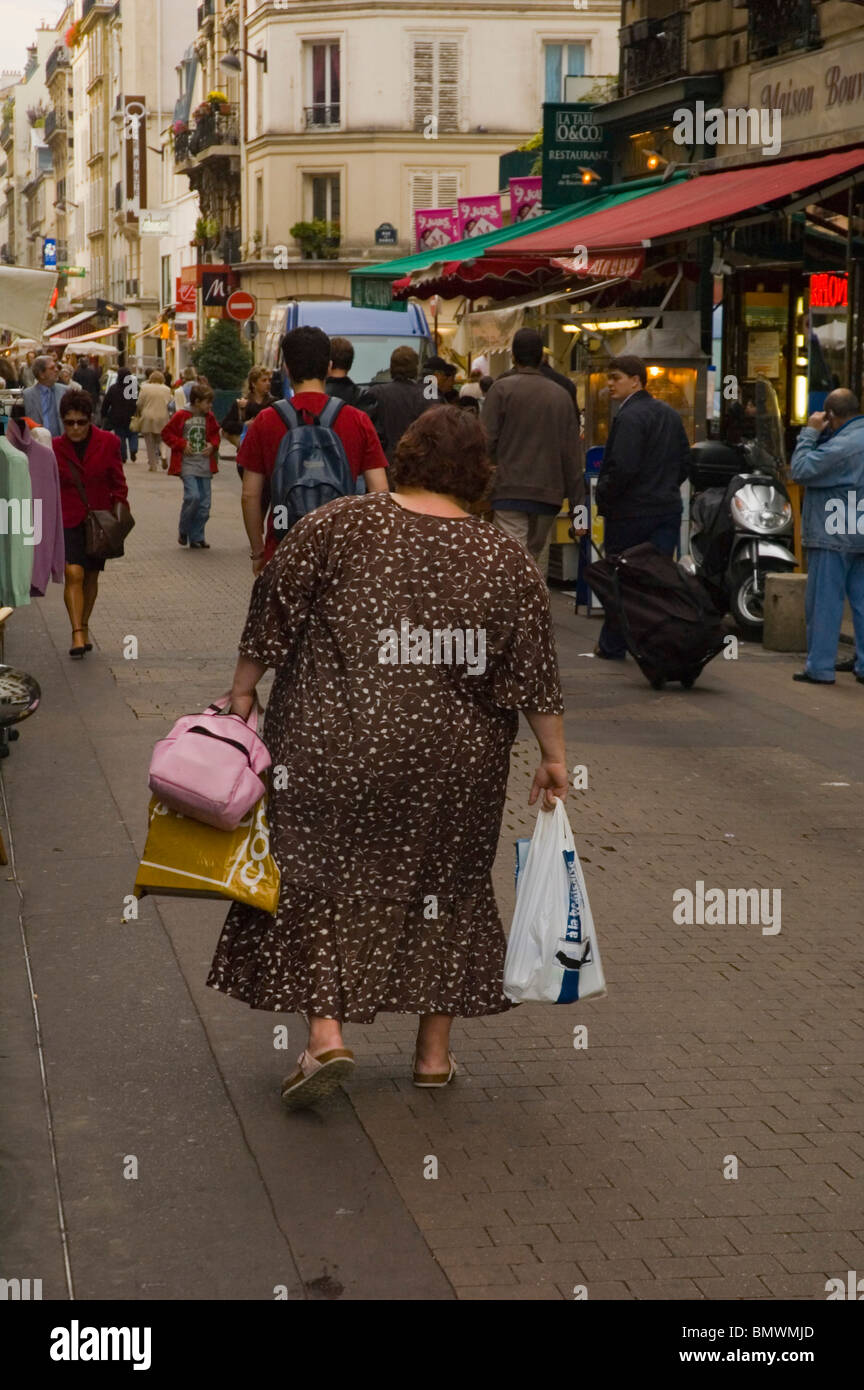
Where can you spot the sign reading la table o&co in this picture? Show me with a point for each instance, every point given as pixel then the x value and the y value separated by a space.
pixel 573 143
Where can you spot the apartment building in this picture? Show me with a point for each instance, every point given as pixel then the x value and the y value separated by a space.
pixel 122 59
pixel 27 188
pixel 353 116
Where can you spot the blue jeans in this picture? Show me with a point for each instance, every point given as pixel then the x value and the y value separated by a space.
pixel 128 442
pixel 196 507
pixel 833 575
pixel 623 534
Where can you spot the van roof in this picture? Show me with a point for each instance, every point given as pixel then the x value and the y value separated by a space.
pixel 341 318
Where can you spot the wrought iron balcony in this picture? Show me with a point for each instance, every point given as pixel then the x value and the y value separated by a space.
pixel 54 121
pixel 205 10
pixel 181 146
pixel 213 128
pixel 653 51
pixel 6 134
pixel 58 58
pixel 89 5
pixel 776 26
pixel 321 115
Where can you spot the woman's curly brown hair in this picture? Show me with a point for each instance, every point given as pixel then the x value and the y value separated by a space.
pixel 444 450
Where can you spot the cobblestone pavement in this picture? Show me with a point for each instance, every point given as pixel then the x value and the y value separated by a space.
pixel 602 1166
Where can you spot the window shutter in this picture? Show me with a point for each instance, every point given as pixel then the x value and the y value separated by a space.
pixel 447 190
pixel 422 192
pixel 423 81
pixel 449 64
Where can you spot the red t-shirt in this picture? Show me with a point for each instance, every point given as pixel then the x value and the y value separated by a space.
pixel 266 432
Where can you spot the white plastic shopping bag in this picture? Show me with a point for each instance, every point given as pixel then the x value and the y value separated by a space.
pixel 552 954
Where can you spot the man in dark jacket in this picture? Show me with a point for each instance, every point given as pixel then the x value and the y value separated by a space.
pixel 399 400
pixel 535 447
pixel 339 383
pixel 88 378
pixel 639 485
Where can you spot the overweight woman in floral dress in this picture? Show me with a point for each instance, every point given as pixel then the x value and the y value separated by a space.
pixel 395 744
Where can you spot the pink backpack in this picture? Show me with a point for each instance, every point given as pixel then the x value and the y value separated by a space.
pixel 209 767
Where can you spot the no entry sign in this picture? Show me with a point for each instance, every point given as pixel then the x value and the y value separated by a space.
pixel 241 305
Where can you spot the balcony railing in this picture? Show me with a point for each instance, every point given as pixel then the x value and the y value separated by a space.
pixel 59 58
pixel 181 146
pixel 205 10
pixel 214 128
pixel 6 133
pixel 89 5
pixel 54 121
pixel 653 51
pixel 775 26
pixel 320 115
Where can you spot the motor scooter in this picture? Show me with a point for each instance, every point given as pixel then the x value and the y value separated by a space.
pixel 741 516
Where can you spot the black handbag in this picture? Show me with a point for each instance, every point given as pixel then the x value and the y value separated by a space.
pixel 104 531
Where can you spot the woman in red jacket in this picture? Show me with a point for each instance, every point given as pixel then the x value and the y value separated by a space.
pixel 93 455
pixel 193 438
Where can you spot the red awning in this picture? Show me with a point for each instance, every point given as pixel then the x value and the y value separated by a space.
pixel 696 202
pixel 477 279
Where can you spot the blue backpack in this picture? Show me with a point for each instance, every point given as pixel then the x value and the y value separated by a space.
pixel 311 465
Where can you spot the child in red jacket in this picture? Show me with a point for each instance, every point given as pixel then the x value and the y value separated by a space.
pixel 193 438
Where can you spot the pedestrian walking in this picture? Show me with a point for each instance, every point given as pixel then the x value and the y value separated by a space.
pixel 393 769
pixel 28 376
pixel 42 400
pixel 119 405
pixel 339 384
pixel 87 376
pixel 535 446
pixel 153 414
pixel 188 377
pixel 645 461
pixel 444 373
pixel 193 438
pixel 306 354
pixel 246 407
pixel 87 458
pixel 400 400
pixel 829 459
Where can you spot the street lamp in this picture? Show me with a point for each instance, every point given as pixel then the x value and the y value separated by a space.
pixel 231 61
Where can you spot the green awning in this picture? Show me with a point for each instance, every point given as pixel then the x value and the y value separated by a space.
pixel 370 285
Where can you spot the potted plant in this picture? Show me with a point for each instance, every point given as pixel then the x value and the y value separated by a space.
pixel 218 101
pixel 318 239
pixel 179 127
pixel 73 34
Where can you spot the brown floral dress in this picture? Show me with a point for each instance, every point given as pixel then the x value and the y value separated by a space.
pixel 393 774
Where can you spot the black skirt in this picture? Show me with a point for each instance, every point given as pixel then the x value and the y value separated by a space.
pixel 74 541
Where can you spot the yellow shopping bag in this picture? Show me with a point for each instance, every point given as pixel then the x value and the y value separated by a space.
pixel 183 858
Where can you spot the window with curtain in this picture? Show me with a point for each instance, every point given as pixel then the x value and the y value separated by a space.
pixel 562 60
pixel 323 84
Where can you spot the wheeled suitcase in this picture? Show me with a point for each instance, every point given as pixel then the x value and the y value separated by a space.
pixel 670 625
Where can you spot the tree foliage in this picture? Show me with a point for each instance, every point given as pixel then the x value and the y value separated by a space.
pixel 223 357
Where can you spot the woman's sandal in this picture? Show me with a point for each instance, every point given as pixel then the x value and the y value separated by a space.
pixel 316 1077
pixel 432 1080
pixel 77 652
pixel 88 646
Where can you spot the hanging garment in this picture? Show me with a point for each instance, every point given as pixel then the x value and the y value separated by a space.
pixel 17 530
pixel 48 550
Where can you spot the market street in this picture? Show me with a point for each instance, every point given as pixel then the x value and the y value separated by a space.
pixel 605 1167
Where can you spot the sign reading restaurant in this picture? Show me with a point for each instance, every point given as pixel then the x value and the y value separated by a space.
pixel 817 93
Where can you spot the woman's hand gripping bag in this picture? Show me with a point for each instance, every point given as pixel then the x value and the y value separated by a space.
pixel 552 954
pixel 183 858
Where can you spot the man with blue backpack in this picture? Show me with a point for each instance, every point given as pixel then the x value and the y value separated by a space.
pixel 308 450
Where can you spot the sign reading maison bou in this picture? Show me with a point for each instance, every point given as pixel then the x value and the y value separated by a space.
pixel 818 93
pixel 572 144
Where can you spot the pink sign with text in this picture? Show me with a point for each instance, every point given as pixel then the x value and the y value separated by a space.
pixel 525 196
pixel 477 216
pixel 434 227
